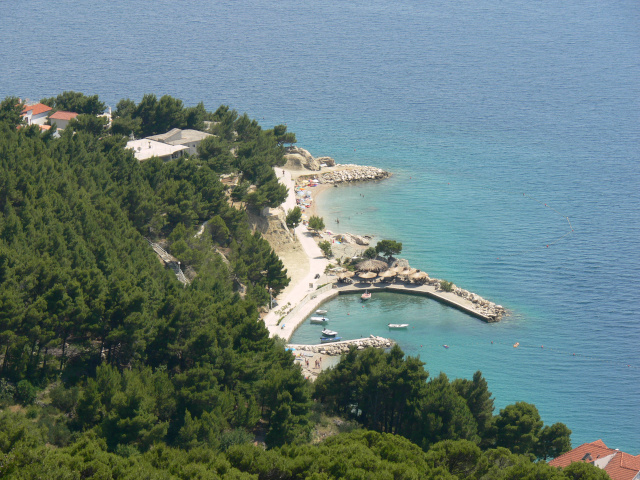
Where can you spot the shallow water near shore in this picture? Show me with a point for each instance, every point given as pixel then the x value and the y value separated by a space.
pixel 499 120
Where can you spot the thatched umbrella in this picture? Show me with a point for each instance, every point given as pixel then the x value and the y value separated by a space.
pixel 407 271
pixel 419 276
pixel 388 273
pixel 372 266
pixel 368 275
pixel 348 274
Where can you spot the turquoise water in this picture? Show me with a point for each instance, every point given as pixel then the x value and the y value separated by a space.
pixel 484 112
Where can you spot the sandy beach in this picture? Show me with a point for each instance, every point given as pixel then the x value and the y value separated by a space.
pixel 304 261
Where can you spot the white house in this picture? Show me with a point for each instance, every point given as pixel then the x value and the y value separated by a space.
pixel 36 114
pixel 188 138
pixel 146 148
pixel 61 119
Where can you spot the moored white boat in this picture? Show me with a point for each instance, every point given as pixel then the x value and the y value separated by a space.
pixel 328 333
pixel 330 339
pixel 321 312
pixel 366 295
pixel 319 320
pixel 397 326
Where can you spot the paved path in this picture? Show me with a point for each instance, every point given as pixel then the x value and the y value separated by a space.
pixel 317 265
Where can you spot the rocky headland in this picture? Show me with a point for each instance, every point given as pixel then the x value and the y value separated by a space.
pixel 327 170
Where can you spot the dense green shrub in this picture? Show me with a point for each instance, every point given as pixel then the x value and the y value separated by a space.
pixel 25 393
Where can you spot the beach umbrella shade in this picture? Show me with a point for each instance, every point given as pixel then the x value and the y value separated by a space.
pixel 388 273
pixel 408 271
pixel 372 266
pixel 368 275
pixel 348 274
pixel 418 275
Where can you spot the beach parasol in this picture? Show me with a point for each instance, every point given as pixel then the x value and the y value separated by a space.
pixel 418 275
pixel 388 273
pixel 372 266
pixel 348 274
pixel 368 275
pixel 407 271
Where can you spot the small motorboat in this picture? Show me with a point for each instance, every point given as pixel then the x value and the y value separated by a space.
pixel 328 333
pixel 321 312
pixel 330 339
pixel 319 320
pixel 397 326
pixel 366 295
pixel 445 346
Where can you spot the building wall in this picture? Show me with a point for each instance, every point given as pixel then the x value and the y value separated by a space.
pixel 38 119
pixel 61 124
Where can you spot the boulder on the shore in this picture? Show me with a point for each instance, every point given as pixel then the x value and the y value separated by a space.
pixel 327 161
pixel 351 238
pixel 300 159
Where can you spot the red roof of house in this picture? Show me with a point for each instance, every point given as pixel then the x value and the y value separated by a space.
pixel 620 465
pixel 36 109
pixel 60 115
pixel 623 466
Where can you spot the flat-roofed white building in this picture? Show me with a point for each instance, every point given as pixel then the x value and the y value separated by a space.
pixel 188 138
pixel 146 148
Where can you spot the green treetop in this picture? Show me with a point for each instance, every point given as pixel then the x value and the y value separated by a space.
pixel 316 223
pixel 388 248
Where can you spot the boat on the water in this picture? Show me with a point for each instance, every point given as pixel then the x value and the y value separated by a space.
pixel 330 339
pixel 397 326
pixel 366 295
pixel 319 320
pixel 328 333
pixel 321 312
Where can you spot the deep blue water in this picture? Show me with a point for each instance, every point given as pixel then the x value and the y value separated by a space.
pixel 499 119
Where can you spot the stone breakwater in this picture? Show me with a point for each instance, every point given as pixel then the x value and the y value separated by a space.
pixel 338 348
pixel 485 307
pixel 352 173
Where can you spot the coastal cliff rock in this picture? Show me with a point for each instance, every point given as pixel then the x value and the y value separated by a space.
pixel 327 161
pixel 273 228
pixel 300 159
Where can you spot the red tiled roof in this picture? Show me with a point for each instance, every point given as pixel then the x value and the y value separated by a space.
pixel 36 109
pixel 621 466
pixel 45 127
pixel 595 449
pixel 60 115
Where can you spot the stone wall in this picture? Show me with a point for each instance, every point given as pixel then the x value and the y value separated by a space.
pixel 338 348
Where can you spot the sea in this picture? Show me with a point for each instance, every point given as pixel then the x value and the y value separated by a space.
pixel 511 127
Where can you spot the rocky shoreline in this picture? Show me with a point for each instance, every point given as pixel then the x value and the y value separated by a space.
pixel 328 172
pixel 348 174
pixel 338 348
